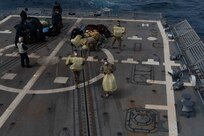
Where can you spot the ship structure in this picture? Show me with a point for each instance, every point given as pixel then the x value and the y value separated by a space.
pixel 159 76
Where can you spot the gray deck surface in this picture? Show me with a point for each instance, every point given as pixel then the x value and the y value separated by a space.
pixel 56 109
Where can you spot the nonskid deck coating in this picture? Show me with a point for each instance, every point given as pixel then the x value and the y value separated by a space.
pixel 134 91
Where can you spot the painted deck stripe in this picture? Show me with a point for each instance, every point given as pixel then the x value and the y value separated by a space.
pixel 172 121
pixel 164 82
pixel 30 83
pixel 172 63
pixel 134 38
pixel 150 62
pixel 27 87
pixel 75 25
pixel 5 32
pixel 109 55
pixel 156 82
pixel 7 47
pixel 91 58
pixel 5 19
pixel 156 107
pixel 58 90
pixel 130 60
pixel 14 54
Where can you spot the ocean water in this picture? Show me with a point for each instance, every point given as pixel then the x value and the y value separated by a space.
pixel 173 10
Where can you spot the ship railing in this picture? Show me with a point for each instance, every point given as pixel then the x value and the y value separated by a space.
pixel 192 49
pixel 181 28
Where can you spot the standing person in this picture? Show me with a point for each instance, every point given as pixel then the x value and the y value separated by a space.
pixel 76 65
pixel 109 82
pixel 20 30
pixel 24 16
pixel 57 7
pixel 118 32
pixel 22 51
pixel 56 23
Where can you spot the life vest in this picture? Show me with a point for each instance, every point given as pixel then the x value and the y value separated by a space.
pixel 20 48
pixel 118 31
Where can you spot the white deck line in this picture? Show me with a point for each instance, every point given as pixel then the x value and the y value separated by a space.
pixel 91 58
pixel 172 63
pixel 150 62
pixel 109 55
pixel 7 47
pixel 5 19
pixel 30 83
pixel 129 60
pixel 164 82
pixel 156 82
pixel 27 87
pixel 156 107
pixel 172 121
pixel 5 32
pixel 59 90
pixel 14 54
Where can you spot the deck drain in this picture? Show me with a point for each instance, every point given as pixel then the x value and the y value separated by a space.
pixel 142 120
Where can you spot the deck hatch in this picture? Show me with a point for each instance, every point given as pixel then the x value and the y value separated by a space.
pixel 142 120
pixel 141 73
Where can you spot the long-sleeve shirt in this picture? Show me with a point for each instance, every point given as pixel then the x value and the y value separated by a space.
pixel 76 63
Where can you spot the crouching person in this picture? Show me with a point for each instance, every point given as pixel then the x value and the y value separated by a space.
pixel 93 39
pixel 76 65
pixel 22 49
pixel 109 82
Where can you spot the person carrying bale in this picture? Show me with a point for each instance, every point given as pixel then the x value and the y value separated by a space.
pixel 93 39
pixel 109 83
pixel 76 65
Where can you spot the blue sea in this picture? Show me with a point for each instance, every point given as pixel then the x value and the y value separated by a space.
pixel 173 10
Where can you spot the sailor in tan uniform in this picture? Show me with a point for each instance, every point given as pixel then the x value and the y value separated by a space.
pixel 118 32
pixel 109 82
pixel 76 65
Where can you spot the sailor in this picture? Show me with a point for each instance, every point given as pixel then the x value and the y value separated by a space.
pixel 76 65
pixel 35 27
pixel 20 29
pixel 56 22
pixel 118 32
pixel 57 7
pixel 109 83
pixel 22 48
pixel 23 15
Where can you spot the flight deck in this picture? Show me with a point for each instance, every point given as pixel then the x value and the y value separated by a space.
pixel 43 100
